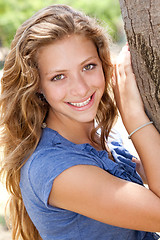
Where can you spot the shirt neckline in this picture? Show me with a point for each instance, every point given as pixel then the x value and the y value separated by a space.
pixel 58 138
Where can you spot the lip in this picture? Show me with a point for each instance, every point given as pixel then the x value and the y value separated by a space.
pixel 83 107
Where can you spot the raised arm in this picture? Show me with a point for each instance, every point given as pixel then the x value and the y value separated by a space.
pixel 147 139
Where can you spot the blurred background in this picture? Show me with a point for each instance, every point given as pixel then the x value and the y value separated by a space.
pixel 14 12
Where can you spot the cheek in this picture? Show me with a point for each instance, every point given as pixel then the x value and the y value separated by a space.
pixel 100 81
pixel 55 94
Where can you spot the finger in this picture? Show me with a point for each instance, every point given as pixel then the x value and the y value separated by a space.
pixel 125 62
pixel 114 76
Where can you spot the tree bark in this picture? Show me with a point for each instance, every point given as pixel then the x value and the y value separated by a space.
pixel 142 26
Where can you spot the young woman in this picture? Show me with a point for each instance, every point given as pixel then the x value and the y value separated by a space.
pixel 66 180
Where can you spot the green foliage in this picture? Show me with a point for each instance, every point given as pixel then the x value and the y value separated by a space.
pixel 14 12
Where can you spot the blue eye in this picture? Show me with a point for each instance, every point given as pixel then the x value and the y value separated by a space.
pixel 89 67
pixel 58 77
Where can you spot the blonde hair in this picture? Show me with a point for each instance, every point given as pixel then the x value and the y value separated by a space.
pixel 22 109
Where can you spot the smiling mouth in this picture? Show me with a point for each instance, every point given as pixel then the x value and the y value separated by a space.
pixel 81 104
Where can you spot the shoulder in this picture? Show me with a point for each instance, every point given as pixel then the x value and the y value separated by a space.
pixel 47 163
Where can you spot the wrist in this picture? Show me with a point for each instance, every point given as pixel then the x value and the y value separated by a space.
pixel 133 122
pixel 139 128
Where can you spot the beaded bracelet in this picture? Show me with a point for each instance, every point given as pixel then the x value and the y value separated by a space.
pixel 144 125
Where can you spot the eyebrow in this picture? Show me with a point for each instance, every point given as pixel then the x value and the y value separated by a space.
pixel 88 59
pixel 64 70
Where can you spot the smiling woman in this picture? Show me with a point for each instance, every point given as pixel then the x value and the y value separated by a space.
pixel 66 179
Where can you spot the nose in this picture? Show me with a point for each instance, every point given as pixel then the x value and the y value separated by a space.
pixel 79 85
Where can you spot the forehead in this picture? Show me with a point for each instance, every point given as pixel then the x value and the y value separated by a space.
pixel 72 49
pixel 75 39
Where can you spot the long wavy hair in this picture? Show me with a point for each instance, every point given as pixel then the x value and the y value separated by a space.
pixel 23 110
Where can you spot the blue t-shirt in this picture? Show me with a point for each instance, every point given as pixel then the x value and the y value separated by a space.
pixel 53 155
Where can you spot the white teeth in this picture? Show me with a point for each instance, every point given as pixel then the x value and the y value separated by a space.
pixel 81 104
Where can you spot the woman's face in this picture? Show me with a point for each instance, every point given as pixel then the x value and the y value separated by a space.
pixel 72 79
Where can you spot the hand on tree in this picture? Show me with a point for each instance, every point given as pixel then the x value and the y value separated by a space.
pixel 126 92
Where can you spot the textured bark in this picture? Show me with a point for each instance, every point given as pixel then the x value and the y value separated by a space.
pixel 142 26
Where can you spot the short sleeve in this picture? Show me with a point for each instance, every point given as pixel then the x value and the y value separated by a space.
pixel 50 163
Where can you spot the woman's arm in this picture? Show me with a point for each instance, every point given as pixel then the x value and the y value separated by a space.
pixel 147 139
pixel 95 193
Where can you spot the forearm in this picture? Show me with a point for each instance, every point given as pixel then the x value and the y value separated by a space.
pixel 147 143
pixel 130 105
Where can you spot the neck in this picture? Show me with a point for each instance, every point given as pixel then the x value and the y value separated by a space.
pixel 76 132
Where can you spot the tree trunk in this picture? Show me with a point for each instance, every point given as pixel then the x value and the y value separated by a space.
pixel 142 26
